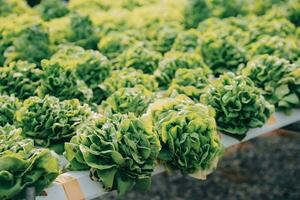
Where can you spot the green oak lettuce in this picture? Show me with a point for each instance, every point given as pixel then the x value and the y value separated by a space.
pixel 139 57
pixel 62 83
pixel 90 66
pixel 190 82
pixel 14 7
pixel 20 78
pixel 173 61
pixel 120 151
pixel 113 44
pixel 187 41
pixel 50 9
pixel 238 103
pixel 273 27
pixel 128 100
pixel 188 134
pixel 274 45
pixel 126 78
pixel 222 49
pixel 278 78
pixel 11 27
pixel 82 31
pixel 163 37
pixel 77 29
pixel 8 107
pixel 49 121
pixel 32 44
pixel 22 165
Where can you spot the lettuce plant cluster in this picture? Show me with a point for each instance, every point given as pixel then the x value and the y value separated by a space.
pixel 188 134
pixel 139 57
pixel 128 100
pixel 174 61
pixel 8 107
pixel 50 122
pixel 278 79
pixel 127 78
pixel 20 78
pixel 238 103
pixel 136 81
pixel 120 151
pixel 22 165
pixel 190 82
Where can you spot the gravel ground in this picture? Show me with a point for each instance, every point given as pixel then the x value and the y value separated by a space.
pixel 264 168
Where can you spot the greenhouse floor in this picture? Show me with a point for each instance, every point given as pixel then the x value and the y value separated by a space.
pixel 263 168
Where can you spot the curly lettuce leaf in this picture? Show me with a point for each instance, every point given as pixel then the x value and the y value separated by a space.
pixel 126 78
pixel 20 78
pixel 238 103
pixel 286 48
pixel 62 83
pixel 90 66
pixel 190 82
pixel 187 132
pixel 49 121
pixel 22 165
pixel 177 60
pixel 121 151
pixel 128 100
pixel 8 107
pixel 50 9
pixel 139 57
pixel 278 79
pixel 32 45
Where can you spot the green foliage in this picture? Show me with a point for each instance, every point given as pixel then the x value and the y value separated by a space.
pixel 49 121
pixel 163 37
pixel 187 41
pixel 8 107
pixel 188 134
pixel 139 57
pixel 13 7
pixel 282 47
pixel 21 165
pixel 83 32
pixel 126 78
pixel 128 100
pixel 115 43
pixel 195 12
pixel 238 103
pixel 32 45
pixel 274 27
pixel 190 82
pixel 278 78
pixel 49 9
pixel 293 10
pixel 62 83
pixel 20 78
pixel 222 51
pixel 121 151
pixel 11 27
pixel 177 60
pixel 90 66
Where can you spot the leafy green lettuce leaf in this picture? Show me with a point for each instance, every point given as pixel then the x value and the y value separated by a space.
pixel 121 151
pixel 187 132
pixel 49 121
pixel 22 165
pixel 238 103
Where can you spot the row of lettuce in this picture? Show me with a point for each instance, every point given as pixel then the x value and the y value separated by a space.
pixel 118 85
